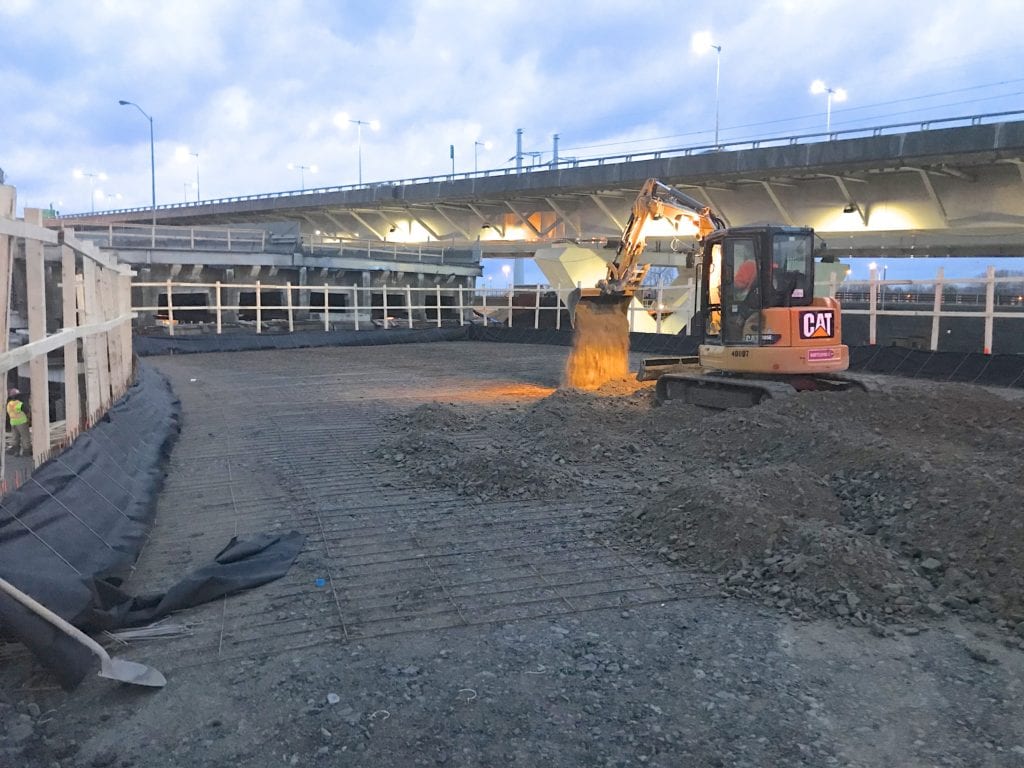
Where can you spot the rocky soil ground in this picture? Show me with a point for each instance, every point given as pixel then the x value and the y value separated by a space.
pixel 863 553
pixel 876 508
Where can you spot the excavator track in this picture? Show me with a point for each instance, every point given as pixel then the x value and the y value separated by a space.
pixel 722 391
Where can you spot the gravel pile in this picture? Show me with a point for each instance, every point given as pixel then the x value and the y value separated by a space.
pixel 874 508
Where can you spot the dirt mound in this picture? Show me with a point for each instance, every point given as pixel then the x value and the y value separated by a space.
pixel 874 507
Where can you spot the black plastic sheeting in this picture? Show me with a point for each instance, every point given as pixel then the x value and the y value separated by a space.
pixel 1001 370
pixel 83 516
pixel 240 342
pixel 79 522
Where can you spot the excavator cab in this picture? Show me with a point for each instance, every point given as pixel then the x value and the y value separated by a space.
pixel 749 270
pixel 760 312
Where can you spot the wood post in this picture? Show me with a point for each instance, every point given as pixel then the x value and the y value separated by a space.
pixel 35 289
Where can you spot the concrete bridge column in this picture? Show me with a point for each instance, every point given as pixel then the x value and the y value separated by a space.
pixel 146 297
pixel 230 297
pixel 302 313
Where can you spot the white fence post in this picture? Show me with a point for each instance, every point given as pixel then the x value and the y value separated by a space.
pixel 873 306
pixel 218 302
pixel 384 304
pixel 291 317
pixel 259 307
pixel 170 309
pixel 462 308
pixel 511 291
pixel 657 309
pixel 438 287
pixel 536 309
pixel 990 300
pixel 355 305
pixel 558 307
pixel 408 303
pixel 327 309
pixel 937 308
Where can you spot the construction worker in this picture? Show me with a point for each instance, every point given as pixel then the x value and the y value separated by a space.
pixel 18 417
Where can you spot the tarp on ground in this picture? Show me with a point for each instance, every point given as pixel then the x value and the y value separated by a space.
pixel 70 533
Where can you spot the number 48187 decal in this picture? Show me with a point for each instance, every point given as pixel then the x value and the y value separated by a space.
pixel 819 324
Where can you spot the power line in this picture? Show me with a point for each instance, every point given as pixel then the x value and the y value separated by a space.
pixel 815 115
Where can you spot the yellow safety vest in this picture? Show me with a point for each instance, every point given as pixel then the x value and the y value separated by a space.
pixel 15 414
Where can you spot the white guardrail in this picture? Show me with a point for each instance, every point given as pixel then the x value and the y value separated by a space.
pixel 657 309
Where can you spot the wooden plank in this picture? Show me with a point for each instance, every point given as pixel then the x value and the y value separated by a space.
pixel 29 229
pixel 72 398
pixel 35 290
pixel 7 207
pixel 96 359
pixel 89 250
pixel 24 354
pixel 125 310
pixel 7 202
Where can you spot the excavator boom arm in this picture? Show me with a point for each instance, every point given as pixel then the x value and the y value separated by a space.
pixel 655 201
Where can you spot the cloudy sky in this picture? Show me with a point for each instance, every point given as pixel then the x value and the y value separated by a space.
pixel 252 86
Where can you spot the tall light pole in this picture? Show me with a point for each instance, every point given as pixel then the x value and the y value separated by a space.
pixel 342 120
pixel 476 147
pixel 152 152
pixel 78 174
pixel 839 94
pixel 302 172
pixel 702 43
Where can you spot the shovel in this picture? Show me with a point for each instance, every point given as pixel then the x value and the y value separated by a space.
pixel 113 669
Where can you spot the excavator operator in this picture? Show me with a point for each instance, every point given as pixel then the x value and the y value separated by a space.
pixel 746 301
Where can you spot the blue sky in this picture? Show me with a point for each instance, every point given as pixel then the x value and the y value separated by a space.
pixel 252 87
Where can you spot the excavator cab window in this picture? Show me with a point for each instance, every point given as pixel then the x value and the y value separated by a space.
pixel 713 300
pixel 741 292
pixel 792 270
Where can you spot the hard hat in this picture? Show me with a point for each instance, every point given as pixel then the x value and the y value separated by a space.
pixel 13 391
pixel 745 275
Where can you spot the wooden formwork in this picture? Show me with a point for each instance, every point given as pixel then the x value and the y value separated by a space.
pixel 92 323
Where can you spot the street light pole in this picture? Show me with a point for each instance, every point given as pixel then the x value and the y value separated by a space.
pixel 476 147
pixel 152 152
pixel 91 176
pixel 718 80
pixel 818 86
pixel 302 172
pixel 196 156
pixel 702 43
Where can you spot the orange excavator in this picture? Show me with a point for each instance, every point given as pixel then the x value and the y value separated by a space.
pixel 765 333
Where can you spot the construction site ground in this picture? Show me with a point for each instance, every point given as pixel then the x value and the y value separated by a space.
pixel 498 572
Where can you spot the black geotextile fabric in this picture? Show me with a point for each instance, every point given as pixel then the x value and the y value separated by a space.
pixel 971 367
pixel 992 370
pixel 70 533
pixel 241 342
pixel 83 515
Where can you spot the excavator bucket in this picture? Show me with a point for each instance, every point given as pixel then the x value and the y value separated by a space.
pixel 600 348
pixel 594 303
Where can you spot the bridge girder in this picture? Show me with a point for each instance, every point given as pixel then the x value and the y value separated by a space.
pixel 945 187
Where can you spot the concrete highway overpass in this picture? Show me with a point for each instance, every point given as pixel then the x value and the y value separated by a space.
pixel 952 187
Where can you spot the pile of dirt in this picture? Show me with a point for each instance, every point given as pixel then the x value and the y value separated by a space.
pixel 872 507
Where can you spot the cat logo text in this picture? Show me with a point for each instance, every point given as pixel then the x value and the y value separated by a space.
pixel 817 325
